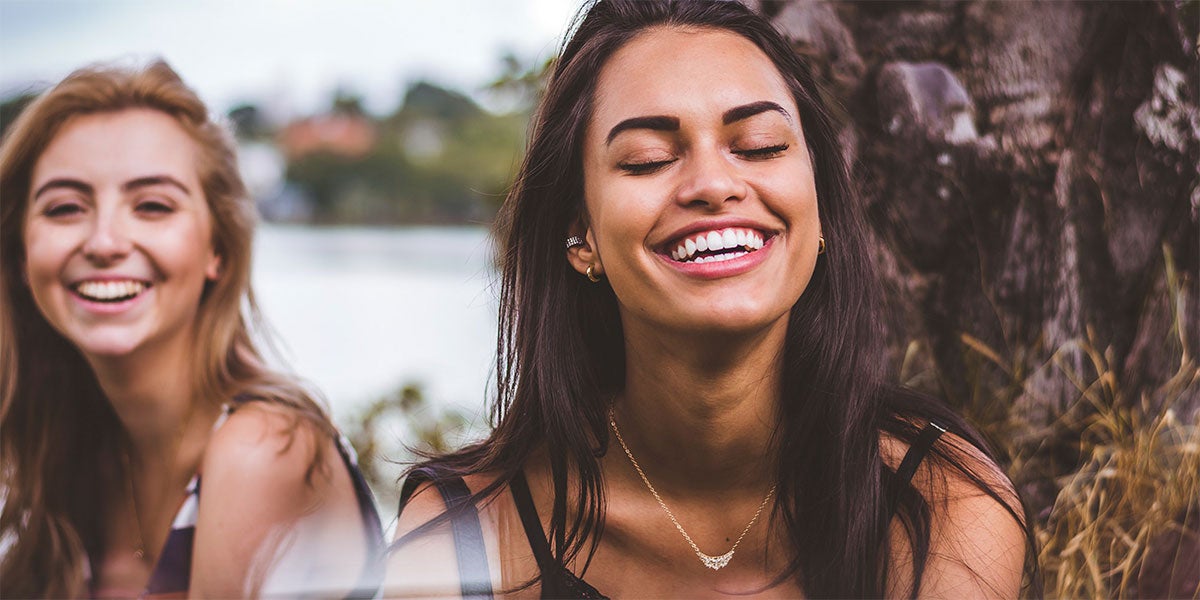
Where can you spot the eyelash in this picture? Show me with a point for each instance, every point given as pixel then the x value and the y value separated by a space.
pixel 70 208
pixel 764 152
pixel 644 168
pixel 753 153
pixel 154 206
pixel 62 210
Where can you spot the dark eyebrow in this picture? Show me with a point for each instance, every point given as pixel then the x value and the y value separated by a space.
pixel 70 184
pixel 746 111
pixel 153 180
pixel 654 123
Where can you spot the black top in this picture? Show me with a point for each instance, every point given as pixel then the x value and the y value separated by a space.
pixel 557 581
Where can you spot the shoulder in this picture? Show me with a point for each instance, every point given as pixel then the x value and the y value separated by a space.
pixel 275 497
pixel 977 540
pixel 263 439
pixel 425 554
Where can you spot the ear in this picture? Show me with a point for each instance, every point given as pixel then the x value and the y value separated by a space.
pixel 584 255
pixel 212 272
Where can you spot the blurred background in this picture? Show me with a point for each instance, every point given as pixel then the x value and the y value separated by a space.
pixel 1030 172
pixel 378 139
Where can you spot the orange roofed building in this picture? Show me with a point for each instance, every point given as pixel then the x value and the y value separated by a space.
pixel 348 135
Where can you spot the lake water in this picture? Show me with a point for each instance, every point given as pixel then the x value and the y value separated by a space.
pixel 360 311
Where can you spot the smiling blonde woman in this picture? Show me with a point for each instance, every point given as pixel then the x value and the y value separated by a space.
pixel 691 401
pixel 146 448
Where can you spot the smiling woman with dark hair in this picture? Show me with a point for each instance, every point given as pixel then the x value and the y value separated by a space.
pixel 691 399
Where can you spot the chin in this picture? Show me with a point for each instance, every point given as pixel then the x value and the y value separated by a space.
pixel 106 344
pixel 732 321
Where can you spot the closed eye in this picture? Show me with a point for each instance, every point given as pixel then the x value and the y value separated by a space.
pixel 62 210
pixel 154 207
pixel 644 168
pixel 764 152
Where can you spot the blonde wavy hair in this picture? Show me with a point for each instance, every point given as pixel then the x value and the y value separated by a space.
pixel 61 444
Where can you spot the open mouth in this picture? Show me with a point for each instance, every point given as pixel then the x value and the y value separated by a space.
pixel 110 291
pixel 717 245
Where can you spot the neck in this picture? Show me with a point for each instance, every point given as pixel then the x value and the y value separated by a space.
pixel 700 413
pixel 153 394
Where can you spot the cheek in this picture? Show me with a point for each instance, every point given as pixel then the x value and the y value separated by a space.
pixel 621 218
pixel 182 250
pixel 45 254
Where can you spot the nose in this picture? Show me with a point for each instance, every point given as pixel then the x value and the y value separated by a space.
pixel 710 180
pixel 108 241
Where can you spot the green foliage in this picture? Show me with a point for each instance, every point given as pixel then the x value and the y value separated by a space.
pixel 439 158
pixel 397 428
pixel 11 107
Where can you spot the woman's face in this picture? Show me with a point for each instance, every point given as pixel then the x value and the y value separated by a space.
pixel 702 210
pixel 118 236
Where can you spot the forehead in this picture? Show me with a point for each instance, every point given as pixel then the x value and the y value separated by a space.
pixel 686 72
pixel 119 146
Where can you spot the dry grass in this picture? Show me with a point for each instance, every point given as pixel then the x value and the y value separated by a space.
pixel 1119 477
pixel 1110 532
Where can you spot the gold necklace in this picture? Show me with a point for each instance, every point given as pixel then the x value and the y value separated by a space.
pixel 715 563
pixel 140 551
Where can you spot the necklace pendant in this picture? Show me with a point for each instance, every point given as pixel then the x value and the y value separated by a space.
pixel 138 554
pixel 716 563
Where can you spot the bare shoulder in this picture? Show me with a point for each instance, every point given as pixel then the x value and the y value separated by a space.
pixel 423 558
pixel 977 545
pixel 275 501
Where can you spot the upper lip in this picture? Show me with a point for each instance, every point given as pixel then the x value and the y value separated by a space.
pixel 675 237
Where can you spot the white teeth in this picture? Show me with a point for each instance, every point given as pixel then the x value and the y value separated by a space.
pixel 720 257
pixel 109 290
pixel 730 238
pixel 715 241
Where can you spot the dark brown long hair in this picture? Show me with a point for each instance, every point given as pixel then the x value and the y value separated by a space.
pixel 61 443
pixel 561 350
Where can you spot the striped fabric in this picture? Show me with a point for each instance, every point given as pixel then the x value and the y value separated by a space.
pixel 172 574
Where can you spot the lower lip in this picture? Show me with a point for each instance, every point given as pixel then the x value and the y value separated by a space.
pixel 109 308
pixel 722 268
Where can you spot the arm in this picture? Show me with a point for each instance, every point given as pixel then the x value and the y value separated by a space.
pixel 271 520
pixel 977 549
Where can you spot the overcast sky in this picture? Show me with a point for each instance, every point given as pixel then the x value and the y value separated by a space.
pixel 287 54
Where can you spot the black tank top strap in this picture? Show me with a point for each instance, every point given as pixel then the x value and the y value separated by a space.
pixel 556 580
pixel 474 577
pixel 532 523
pixel 917 452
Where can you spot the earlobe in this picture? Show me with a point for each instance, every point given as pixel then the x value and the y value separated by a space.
pixel 213 271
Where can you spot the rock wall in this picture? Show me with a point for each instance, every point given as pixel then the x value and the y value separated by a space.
pixel 1031 173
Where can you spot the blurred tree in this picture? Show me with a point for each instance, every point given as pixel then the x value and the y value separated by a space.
pixel 347 102
pixel 426 100
pixel 520 84
pixel 248 122
pixel 439 158
pixel 11 107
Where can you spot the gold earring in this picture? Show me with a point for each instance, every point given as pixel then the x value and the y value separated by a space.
pixel 591 274
pixel 820 244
